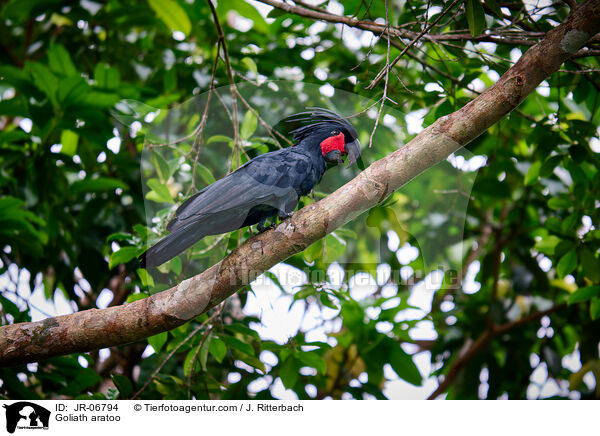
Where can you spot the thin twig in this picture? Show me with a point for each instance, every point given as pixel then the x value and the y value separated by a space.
pixel 195 357
pixel 485 338
pixel 200 129
pixel 387 70
pixel 272 132
pixel 230 76
pixel 389 65
pixel 173 351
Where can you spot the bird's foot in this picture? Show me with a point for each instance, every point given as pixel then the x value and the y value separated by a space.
pixel 283 215
pixel 262 228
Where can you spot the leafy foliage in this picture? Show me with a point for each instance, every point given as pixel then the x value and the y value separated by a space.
pixel 516 257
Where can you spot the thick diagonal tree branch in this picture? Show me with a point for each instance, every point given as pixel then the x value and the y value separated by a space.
pixel 92 329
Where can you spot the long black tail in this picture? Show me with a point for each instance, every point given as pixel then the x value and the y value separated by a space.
pixel 171 245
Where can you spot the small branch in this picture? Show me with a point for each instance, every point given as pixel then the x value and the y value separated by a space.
pixel 173 351
pixel 200 129
pixel 389 65
pixel 481 342
pixel 195 357
pixel 272 132
pixel 484 236
pixel 230 75
pixel 387 71
pixel 497 259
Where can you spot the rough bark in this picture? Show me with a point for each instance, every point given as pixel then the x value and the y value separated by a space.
pixel 93 329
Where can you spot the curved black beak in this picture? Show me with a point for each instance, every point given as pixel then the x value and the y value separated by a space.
pixel 353 152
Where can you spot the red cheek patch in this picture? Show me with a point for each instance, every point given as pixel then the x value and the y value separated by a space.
pixel 336 142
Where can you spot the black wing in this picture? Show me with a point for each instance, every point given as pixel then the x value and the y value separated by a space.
pixel 271 179
pixel 269 182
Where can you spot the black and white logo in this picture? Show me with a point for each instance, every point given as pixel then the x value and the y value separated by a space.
pixel 26 415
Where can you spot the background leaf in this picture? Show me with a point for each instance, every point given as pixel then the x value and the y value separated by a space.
pixel 475 16
pixel 172 15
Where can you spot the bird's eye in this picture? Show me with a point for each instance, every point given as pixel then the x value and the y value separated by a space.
pixel 335 132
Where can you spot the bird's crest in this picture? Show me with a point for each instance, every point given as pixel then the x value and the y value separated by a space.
pixel 315 119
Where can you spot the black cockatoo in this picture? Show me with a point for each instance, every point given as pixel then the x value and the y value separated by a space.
pixel 268 185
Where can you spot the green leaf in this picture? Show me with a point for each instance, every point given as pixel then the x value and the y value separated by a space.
pixel 69 140
pixel 595 308
pixel 250 64
pixel 119 236
pixel 550 164
pixel 570 223
pixel 345 233
pixel 204 352
pixel 533 173
pixel 403 365
pixel 475 17
pixel 243 330
pixel 44 80
pixel 306 291
pixel 314 251
pixel 590 264
pixel 563 248
pixel 84 378
pixel 146 279
pixel 17 77
pixel 159 193
pixel 584 294
pixel 335 247
pixel 106 77
pixel 204 174
pixel 554 224
pixel 172 15
pixel 275 280
pixel 101 184
pixel 495 8
pixel 327 301
pixel 238 345
pixel 492 187
pixel 124 255
pixel 9 307
pixel 157 341
pixel 567 263
pixel 60 61
pixel 248 125
pixel 187 363
pixel 135 297
pixel 217 349
pixel 289 372
pixel 253 362
pixel 576 172
pixel 161 166
pixel 547 244
pixel 15 107
pixel 100 99
pixel 275 13
pixel 219 138
pixel 176 265
pixel 72 90
pixel 557 203
pixel 244 9
pixel 314 360
pixel 123 384
pixel 170 80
